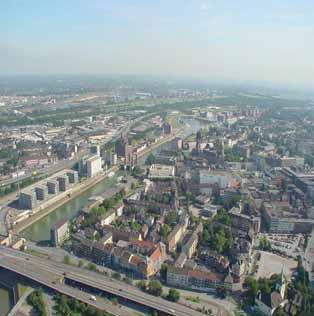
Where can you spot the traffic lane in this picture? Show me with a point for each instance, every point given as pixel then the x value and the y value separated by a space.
pixel 111 286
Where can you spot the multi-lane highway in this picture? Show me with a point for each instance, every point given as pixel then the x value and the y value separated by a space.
pixel 50 273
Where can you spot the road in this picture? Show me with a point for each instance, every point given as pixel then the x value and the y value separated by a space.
pixel 48 273
pixel 63 164
pixel 40 274
pixel 219 307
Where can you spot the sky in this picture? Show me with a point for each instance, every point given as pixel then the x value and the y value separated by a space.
pixel 218 40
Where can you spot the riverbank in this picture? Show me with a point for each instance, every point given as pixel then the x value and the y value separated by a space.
pixel 71 194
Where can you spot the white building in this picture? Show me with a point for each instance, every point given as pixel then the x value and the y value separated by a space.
pixel 93 166
pixel 222 179
pixel 157 171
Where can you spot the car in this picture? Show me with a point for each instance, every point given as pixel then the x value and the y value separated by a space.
pixel 93 298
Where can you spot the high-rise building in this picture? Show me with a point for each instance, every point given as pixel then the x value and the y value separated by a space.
pixel 41 192
pixel 53 186
pixel 93 165
pixel 120 146
pixel 113 158
pixel 73 176
pixel 167 128
pixel 63 183
pixel 95 150
pixel 59 232
pixel 198 142
pixel 28 199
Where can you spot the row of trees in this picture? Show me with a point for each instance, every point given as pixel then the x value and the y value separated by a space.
pixel 154 287
pixel 302 285
pixel 13 187
pixel 71 307
pixel 264 243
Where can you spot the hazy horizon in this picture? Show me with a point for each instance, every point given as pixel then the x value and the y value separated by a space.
pixel 205 40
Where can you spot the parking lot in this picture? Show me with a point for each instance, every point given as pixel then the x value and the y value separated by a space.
pixel 270 263
pixel 290 245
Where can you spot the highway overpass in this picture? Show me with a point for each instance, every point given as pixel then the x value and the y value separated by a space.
pixel 58 276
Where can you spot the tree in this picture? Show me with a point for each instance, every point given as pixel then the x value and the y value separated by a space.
pixel 279 312
pixel 219 241
pixel 66 259
pixel 264 286
pixel 35 299
pixel 173 295
pixel 221 292
pixel 163 272
pixel 223 217
pixel 141 285
pixel 154 288
pixel 151 159
pixel 171 218
pixel 92 267
pixel 165 231
pixel 116 275
pixel 264 243
pixel 252 286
